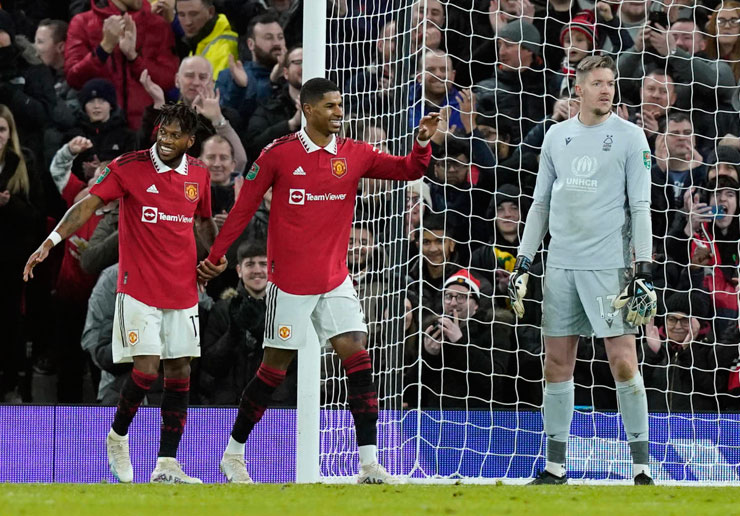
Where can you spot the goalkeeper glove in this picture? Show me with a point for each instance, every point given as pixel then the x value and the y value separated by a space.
pixel 518 284
pixel 639 296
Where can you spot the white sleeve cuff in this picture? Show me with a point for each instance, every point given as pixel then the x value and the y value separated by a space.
pixel 422 144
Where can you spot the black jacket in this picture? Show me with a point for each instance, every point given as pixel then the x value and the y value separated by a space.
pixel 269 122
pixel 232 351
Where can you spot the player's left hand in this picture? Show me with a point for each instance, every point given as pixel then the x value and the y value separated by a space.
pixel 639 296
pixel 207 271
pixel 428 126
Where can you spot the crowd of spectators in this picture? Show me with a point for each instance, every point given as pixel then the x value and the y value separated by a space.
pixel 82 81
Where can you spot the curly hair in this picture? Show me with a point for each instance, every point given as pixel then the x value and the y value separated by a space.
pixel 180 113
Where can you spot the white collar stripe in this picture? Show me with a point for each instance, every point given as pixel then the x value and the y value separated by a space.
pixel 309 146
pixel 161 167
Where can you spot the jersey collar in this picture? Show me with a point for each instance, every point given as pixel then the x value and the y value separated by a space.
pixel 309 146
pixel 161 167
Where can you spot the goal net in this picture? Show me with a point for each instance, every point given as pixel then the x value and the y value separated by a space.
pixel 468 405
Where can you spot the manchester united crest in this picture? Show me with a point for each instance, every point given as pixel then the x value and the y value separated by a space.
pixel 338 167
pixel 133 337
pixel 192 193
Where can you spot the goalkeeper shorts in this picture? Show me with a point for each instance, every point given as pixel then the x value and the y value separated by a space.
pixel 140 329
pixel 289 316
pixel 577 302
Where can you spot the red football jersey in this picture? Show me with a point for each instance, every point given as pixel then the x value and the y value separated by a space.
pixel 313 200
pixel 157 256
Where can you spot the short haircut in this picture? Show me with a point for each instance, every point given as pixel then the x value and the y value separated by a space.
pixel 590 63
pixel 435 222
pixel 314 90
pixel 218 139
pixel 502 123
pixel 675 116
pixel 58 29
pixel 452 148
pixel 263 19
pixel 180 113
pixel 250 249
pixel 657 70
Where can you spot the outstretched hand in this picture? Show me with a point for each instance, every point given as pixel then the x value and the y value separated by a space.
pixel 207 271
pixel 428 126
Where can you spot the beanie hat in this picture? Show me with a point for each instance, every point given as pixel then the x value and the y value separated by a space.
pixel 727 154
pixel 98 89
pixel 506 193
pixel 583 22
pixel 7 24
pixel 465 278
pixel 522 32
pixel 685 303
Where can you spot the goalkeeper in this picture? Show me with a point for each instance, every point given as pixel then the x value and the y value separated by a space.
pixel 593 194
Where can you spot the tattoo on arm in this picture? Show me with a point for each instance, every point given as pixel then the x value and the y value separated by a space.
pixel 78 214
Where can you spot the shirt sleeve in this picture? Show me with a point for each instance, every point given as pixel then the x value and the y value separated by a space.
pixel 258 179
pixel 110 184
pixel 204 203
pixel 539 214
pixel 638 195
pixel 402 168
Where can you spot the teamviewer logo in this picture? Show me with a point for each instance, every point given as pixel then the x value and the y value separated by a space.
pixel 149 214
pixel 297 196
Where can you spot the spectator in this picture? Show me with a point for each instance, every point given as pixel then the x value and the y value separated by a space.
pixel 633 15
pixel 26 85
pixel 194 79
pixel 279 115
pixel 461 367
pixel 515 164
pixel 678 166
pixel 367 91
pixel 366 262
pixel 439 91
pixel 243 86
pixel 73 286
pixel 98 120
pixel 708 244
pixel 118 40
pixel 102 247
pixel 50 39
pixel 726 164
pixel 289 14
pixel 702 85
pixel 232 341
pixel 551 24
pixel 657 95
pixel 206 33
pixel 21 225
pixel 684 370
pixel 517 87
pixel 723 41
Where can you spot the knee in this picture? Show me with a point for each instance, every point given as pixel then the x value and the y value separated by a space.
pixel 623 369
pixel 179 368
pixel 147 365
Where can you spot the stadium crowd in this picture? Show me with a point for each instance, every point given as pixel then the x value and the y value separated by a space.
pixel 82 82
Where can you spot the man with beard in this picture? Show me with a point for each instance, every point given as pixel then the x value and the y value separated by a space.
pixel 280 115
pixel 243 86
pixel 232 341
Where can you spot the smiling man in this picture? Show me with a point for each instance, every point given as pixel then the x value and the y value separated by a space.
pixel 163 192
pixel 314 176
pixel 593 194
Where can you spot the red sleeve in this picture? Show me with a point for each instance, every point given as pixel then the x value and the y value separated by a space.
pixel 402 168
pixel 71 189
pixel 156 53
pixel 258 179
pixel 80 61
pixel 109 185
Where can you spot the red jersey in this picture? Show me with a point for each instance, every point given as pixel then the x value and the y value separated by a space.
pixel 313 200
pixel 157 256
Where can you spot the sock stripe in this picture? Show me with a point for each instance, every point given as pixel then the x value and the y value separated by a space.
pixel 271 376
pixel 143 380
pixel 357 362
pixel 177 384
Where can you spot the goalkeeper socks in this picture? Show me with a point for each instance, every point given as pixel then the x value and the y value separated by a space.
pixel 134 389
pixel 558 414
pixel 368 454
pixel 255 398
pixel 174 414
pixel 362 397
pixel 633 406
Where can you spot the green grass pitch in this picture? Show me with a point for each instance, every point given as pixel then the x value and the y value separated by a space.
pixel 336 500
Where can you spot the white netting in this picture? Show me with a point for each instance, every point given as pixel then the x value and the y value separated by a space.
pixel 471 409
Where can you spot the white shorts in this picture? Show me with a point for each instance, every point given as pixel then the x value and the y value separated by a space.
pixel 331 314
pixel 140 329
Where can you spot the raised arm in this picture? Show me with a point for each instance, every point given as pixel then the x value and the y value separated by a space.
pixel 73 220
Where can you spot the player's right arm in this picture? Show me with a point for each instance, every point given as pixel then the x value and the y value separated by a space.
pixel 73 220
pixel 258 179
pixel 534 230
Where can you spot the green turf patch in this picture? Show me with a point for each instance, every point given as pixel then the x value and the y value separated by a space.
pixel 336 500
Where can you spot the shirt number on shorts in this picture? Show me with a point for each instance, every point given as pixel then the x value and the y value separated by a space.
pixel 609 300
pixel 193 319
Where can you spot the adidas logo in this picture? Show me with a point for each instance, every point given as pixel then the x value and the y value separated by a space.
pixel 152 189
pixel 299 172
